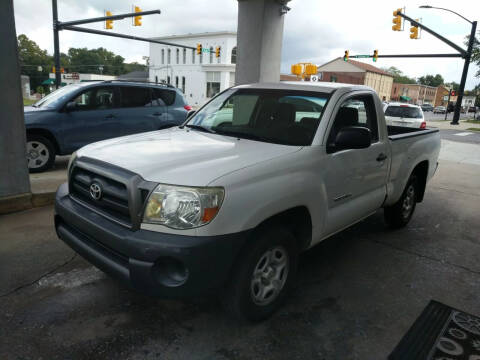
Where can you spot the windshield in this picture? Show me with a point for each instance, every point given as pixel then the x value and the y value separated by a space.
pixel 404 112
pixel 288 117
pixel 59 95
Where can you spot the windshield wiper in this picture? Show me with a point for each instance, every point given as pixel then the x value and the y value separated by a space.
pixel 200 128
pixel 243 135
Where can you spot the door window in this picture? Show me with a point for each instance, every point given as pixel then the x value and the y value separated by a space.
pixel 355 111
pixel 162 97
pixel 134 96
pixel 95 99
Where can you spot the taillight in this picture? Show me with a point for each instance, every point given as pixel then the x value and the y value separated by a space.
pixel 423 125
pixel 187 107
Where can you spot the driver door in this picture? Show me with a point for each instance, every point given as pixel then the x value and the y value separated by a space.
pixel 355 179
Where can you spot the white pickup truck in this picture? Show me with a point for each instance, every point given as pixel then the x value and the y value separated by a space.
pixel 227 201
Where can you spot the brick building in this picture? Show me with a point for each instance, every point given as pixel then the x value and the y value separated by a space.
pixel 414 93
pixel 356 72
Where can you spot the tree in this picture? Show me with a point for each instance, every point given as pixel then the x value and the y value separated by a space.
pixel 453 85
pixel 95 61
pixel 398 76
pixel 431 80
pixel 34 62
pixel 475 51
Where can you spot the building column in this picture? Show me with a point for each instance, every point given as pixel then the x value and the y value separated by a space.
pixel 14 179
pixel 259 40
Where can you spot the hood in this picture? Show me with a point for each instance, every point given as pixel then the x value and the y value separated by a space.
pixel 183 156
pixel 31 109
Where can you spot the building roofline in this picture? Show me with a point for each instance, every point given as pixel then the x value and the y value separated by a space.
pixel 194 35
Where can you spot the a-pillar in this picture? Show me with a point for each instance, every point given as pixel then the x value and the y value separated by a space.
pixel 14 179
pixel 259 40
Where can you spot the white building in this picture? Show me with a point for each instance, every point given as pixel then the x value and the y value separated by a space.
pixel 72 78
pixel 198 76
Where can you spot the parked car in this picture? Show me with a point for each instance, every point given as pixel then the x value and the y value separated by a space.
pixel 450 107
pixel 426 107
pixel 439 110
pixel 400 114
pixel 472 109
pixel 79 114
pixel 226 202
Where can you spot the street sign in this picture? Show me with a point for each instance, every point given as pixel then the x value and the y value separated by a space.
pixel 205 50
pixel 445 98
pixel 360 56
pixel 314 78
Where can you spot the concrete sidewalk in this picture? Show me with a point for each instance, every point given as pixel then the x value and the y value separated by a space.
pixel 445 125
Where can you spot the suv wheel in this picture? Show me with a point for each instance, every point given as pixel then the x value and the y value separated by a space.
pixel 262 275
pixel 40 153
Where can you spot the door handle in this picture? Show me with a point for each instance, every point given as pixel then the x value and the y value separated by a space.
pixel 109 116
pixel 381 157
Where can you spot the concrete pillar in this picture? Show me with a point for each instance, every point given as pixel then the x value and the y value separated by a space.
pixel 259 40
pixel 14 179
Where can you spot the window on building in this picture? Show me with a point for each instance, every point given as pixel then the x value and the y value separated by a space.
pixel 213 83
pixel 176 81
pixel 233 59
pixel 201 57
pixel 193 56
pixel 163 56
pixel 183 84
pixel 134 96
pixel 156 79
pixel 169 56
pixel 184 56
pixel 177 57
pixel 211 54
pixel 168 79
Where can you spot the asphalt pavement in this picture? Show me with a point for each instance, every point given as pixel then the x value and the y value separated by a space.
pixel 357 293
pixel 430 116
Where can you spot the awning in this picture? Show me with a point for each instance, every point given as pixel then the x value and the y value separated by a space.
pixel 48 82
pixel 406 98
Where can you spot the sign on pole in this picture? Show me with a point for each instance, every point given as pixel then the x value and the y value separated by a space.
pixel 314 78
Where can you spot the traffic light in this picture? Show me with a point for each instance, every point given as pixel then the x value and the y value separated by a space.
pixel 375 55
pixel 453 93
pixel 108 23
pixel 310 69
pixel 199 49
pixel 297 69
pixel 217 51
pixel 137 19
pixel 397 20
pixel 345 57
pixel 414 31
pixel 62 70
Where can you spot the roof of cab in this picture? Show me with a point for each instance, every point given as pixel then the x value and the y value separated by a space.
pixel 323 87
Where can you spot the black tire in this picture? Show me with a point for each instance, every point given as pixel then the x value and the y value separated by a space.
pixel 238 297
pixel 40 153
pixel 399 214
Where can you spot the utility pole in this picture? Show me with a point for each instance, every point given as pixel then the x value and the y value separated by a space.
pixel 56 44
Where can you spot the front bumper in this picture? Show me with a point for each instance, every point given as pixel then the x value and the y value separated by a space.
pixel 154 263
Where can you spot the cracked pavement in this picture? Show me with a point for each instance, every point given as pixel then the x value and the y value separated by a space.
pixel 357 293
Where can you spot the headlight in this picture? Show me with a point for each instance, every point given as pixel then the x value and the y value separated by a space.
pixel 181 207
pixel 70 162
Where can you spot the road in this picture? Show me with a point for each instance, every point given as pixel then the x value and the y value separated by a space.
pixel 357 294
pixel 429 116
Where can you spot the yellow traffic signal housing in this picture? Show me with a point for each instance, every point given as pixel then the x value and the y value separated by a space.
pixel 199 49
pixel 345 57
pixel 375 55
pixel 310 69
pixel 414 31
pixel 53 69
pixel 297 69
pixel 217 51
pixel 137 19
pixel 397 20
pixel 108 23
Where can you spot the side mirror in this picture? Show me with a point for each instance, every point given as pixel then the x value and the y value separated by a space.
pixel 71 106
pixel 353 137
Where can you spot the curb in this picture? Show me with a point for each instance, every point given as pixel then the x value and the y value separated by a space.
pixel 15 203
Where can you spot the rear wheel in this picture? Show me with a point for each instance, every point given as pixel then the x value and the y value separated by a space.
pixel 262 275
pixel 401 212
pixel 40 153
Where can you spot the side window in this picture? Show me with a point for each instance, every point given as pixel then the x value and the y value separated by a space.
pixel 84 101
pixel 95 99
pixel 356 111
pixel 162 97
pixel 134 96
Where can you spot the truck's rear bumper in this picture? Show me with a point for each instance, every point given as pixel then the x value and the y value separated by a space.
pixel 154 263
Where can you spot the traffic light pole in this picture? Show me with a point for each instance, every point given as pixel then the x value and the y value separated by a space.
pixel 461 89
pixel 56 44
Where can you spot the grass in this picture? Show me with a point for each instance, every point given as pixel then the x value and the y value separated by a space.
pixel 473 121
pixel 27 102
pixel 473 129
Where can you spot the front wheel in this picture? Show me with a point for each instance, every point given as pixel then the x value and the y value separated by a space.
pixel 262 275
pixel 40 153
pixel 399 214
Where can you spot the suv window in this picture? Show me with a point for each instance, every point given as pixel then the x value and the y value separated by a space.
pixel 403 112
pixel 96 99
pixel 135 96
pixel 163 97
pixel 356 111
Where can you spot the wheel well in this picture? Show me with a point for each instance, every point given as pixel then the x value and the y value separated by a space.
pixel 297 220
pixel 421 171
pixel 46 134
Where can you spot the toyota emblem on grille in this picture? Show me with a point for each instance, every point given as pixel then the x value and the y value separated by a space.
pixel 95 191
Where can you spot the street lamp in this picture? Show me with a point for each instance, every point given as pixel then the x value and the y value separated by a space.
pixel 468 56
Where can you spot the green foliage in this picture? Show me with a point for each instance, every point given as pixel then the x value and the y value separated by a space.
pixel 31 57
pixel 431 80
pixel 40 89
pixel 91 61
pixel 453 85
pixel 476 51
pixel 398 76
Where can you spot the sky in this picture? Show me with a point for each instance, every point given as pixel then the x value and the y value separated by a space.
pixel 315 31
